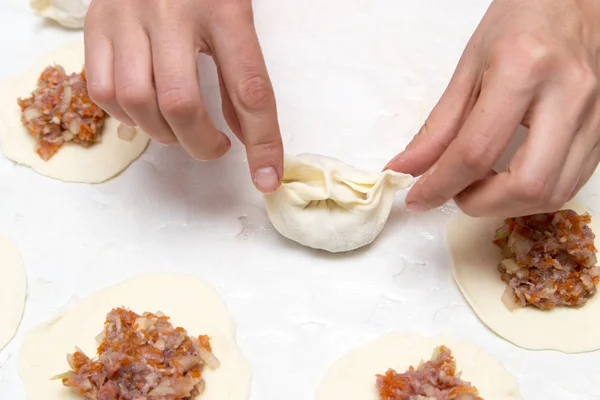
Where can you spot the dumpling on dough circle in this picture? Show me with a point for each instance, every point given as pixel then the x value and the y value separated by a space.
pixel 326 204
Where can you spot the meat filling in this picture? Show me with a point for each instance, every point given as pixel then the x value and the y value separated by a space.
pixel 550 260
pixel 141 357
pixel 59 110
pixel 436 379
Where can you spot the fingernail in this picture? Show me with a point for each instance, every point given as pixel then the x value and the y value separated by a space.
pixel 266 179
pixel 416 208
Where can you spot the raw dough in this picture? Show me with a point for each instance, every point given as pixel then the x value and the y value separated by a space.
pixel 353 376
pixel 326 204
pixel 68 13
pixel 72 163
pixel 190 302
pixel 474 265
pixel 13 289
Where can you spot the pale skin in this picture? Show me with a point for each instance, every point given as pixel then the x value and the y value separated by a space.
pixel 529 62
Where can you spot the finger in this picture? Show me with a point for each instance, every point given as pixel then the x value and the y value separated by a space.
pixel 247 82
pixel 531 183
pixel 590 166
pixel 590 134
pixel 444 121
pixel 134 83
pixel 486 132
pixel 99 71
pixel 228 109
pixel 175 61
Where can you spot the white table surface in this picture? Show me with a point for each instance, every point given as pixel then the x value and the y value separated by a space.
pixel 354 80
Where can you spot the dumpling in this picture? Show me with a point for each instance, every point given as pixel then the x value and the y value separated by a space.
pixel 326 204
pixel 68 13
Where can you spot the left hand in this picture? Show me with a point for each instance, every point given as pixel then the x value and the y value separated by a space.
pixel 530 62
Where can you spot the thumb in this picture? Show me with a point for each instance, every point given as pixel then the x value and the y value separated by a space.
pixel 442 125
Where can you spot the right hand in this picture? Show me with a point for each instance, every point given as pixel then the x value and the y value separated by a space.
pixel 141 59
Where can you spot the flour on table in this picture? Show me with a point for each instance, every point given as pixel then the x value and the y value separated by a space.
pixel 72 163
pixel 68 13
pixel 326 204
pixel 353 376
pixel 475 267
pixel 189 302
pixel 13 290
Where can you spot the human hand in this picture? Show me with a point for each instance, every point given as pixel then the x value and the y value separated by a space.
pixel 141 66
pixel 530 62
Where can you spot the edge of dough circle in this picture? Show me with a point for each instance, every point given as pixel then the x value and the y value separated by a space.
pixel 353 376
pixel 13 290
pixel 190 302
pixel 475 269
pixel 72 163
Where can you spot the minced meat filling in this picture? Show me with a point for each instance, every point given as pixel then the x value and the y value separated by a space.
pixel 550 260
pixel 59 110
pixel 141 357
pixel 436 379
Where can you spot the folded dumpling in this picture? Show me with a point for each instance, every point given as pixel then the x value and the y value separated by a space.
pixel 68 13
pixel 327 204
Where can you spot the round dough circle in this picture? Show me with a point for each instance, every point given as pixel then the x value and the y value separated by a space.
pixel 13 290
pixel 475 268
pixel 72 162
pixel 190 302
pixel 353 377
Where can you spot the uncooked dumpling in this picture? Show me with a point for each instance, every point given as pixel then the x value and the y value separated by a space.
pixel 68 13
pixel 475 262
pixel 13 289
pixel 72 163
pixel 189 302
pixel 353 377
pixel 326 204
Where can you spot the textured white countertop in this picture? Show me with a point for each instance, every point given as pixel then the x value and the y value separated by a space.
pixel 354 80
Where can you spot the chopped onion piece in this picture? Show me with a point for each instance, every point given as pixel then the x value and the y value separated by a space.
pixel 126 132
pixel 64 375
pixel 508 298
pixel 67 95
pixel 74 127
pixel 201 387
pixel 209 358
pixel 31 113
pixel 161 391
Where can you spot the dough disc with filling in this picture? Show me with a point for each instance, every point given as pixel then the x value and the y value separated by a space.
pixel 72 162
pixel 475 268
pixel 353 376
pixel 190 302
pixel 13 290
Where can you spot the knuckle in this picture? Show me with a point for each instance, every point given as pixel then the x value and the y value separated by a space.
pixel 255 93
pixel 530 191
pixel 476 157
pixel 178 102
pixel 134 96
pixel 584 82
pixel 101 93
pixel 524 56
